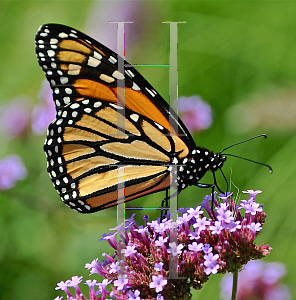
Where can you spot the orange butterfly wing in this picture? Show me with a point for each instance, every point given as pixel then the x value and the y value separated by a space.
pixel 104 136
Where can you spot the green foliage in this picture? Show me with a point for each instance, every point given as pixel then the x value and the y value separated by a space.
pixel 229 52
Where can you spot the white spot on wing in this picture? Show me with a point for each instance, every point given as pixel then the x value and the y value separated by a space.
pixel 135 87
pixel 117 75
pixel 97 104
pixel 116 106
pixel 63 35
pixel 93 62
pixel 51 53
pixel 175 161
pixel 134 117
pixel 158 125
pixel 106 78
pixel 74 105
pixel 150 92
pixel 74 69
pixel 112 60
pixel 97 55
pixel 66 100
pixel 129 73
pixel 53 41
pixel 64 80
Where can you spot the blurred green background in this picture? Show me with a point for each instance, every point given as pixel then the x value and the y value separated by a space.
pixel 239 56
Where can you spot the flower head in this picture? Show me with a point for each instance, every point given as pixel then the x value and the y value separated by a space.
pixel 44 112
pixel 258 280
pixel 195 113
pixel 198 246
pixel 15 116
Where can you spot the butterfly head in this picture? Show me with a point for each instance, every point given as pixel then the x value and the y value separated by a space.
pixel 217 160
pixel 206 160
pixel 197 164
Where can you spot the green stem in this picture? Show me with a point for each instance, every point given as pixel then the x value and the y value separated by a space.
pixel 234 285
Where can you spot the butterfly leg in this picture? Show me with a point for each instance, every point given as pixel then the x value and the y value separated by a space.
pixel 164 206
pixel 207 186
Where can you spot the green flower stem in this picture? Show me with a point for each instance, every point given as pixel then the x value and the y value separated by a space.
pixel 234 285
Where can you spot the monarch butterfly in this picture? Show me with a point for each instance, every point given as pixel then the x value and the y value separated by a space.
pixel 84 151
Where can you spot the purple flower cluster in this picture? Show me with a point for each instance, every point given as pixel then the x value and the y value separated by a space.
pixel 258 280
pixel 195 113
pixel 44 112
pixel 140 266
pixel 12 169
pixel 15 117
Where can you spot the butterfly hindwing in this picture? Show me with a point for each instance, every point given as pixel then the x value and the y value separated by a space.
pixel 85 164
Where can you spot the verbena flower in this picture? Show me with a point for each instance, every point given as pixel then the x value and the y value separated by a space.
pixel 97 23
pixel 139 268
pixel 196 113
pixel 15 116
pixel 44 112
pixel 258 280
pixel 12 169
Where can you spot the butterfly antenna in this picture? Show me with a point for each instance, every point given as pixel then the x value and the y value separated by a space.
pixel 254 161
pixel 255 137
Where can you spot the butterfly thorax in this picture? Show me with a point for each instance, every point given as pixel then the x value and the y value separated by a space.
pixel 193 167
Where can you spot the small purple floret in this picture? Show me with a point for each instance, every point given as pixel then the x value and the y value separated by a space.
pixel 158 283
pixel 12 169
